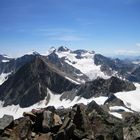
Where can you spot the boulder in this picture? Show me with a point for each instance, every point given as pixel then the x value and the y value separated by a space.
pixel 47 136
pixel 47 120
pixel 22 129
pixel 57 120
pixel 51 108
pixel 5 121
pixel 104 125
pixel 61 135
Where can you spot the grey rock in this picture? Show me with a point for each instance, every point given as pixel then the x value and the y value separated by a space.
pixel 5 121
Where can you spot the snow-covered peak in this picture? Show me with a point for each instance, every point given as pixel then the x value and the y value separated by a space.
pixel 82 60
pixel 63 49
pixel 6 56
pixel 32 53
pixel 52 49
pixel 82 52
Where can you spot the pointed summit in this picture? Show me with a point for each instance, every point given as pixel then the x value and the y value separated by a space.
pixel 33 52
pixel 63 49
pixel 51 50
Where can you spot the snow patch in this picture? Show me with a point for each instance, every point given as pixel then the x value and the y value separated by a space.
pixel 4 61
pixel 118 115
pixel 117 108
pixel 4 77
pixel 75 82
pixel 131 98
pixel 136 62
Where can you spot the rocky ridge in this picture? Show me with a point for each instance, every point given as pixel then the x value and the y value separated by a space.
pixel 80 122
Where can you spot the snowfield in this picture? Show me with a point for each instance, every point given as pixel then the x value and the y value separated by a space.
pixel 85 64
pixel 17 111
pixel 131 98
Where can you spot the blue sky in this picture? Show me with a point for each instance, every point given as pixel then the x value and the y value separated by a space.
pixel 109 27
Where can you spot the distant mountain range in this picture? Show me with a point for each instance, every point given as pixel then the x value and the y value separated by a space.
pixel 63 75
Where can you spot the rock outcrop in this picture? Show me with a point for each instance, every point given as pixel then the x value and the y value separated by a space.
pixel 131 126
pixel 104 87
pixel 80 122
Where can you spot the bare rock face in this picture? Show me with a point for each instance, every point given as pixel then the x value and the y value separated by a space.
pixel 102 87
pixel 5 122
pixel 113 101
pixel 31 82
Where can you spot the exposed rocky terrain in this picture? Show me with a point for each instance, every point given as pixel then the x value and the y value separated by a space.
pixel 68 76
pixel 77 123
pixel 31 82
pixel 33 79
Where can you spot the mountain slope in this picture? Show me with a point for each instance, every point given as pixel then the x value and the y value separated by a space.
pixel 92 65
pixel 29 84
pixel 82 60
pixel 99 87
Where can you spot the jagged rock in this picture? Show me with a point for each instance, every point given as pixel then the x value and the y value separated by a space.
pixel 61 135
pixel 57 120
pixel 81 122
pixel 104 124
pixel 63 112
pixel 66 122
pixel 78 135
pixel 113 101
pixel 70 130
pixel 57 123
pixel 30 115
pixel 102 87
pixel 132 127
pixel 5 122
pixel 47 121
pixel 22 129
pixel 47 136
pixel 51 108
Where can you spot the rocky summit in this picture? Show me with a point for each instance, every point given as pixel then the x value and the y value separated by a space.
pixel 79 122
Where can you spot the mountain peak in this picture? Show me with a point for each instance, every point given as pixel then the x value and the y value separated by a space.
pixel 63 49
pixel 82 51
pixel 33 52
